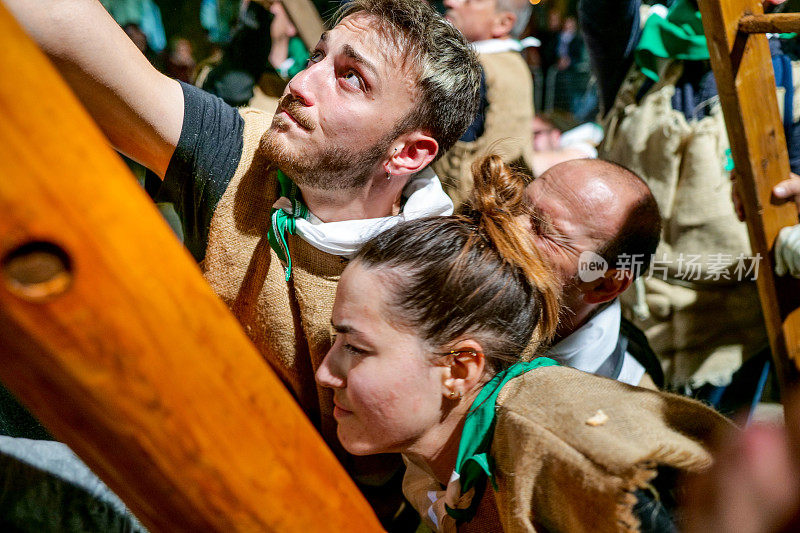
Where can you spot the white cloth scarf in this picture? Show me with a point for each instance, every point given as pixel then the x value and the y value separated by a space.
pixel 590 345
pixel 424 198
pixel 496 46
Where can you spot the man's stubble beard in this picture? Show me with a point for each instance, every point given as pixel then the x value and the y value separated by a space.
pixel 334 169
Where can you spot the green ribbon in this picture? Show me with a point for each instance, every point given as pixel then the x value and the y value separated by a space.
pixel 282 222
pixel 678 36
pixel 473 463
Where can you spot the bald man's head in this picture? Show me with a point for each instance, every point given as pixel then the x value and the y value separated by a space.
pixel 639 232
pixel 597 206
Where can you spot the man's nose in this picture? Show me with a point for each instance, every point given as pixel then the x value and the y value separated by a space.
pixel 301 87
pixel 450 4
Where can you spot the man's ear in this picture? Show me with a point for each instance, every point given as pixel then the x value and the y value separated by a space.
pixel 411 153
pixel 613 283
pixel 464 370
pixel 502 24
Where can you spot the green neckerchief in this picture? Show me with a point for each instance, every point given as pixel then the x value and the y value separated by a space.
pixel 282 223
pixel 473 463
pixel 678 36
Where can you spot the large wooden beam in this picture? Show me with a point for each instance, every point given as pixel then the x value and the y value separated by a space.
pixel 109 333
pixel 746 82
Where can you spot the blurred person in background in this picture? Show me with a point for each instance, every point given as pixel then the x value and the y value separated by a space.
pixel 179 60
pixel 552 145
pixel 502 124
pixel 243 61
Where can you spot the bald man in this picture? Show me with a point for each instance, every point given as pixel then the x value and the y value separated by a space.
pixel 590 217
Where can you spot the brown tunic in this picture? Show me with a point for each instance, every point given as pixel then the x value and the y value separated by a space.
pixel 289 322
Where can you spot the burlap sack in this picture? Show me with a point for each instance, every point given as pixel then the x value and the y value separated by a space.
pixel 555 472
pixel 705 317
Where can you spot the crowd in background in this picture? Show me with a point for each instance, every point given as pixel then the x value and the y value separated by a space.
pixel 199 31
pixel 189 40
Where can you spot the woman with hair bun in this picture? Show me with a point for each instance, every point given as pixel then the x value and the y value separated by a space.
pixel 431 320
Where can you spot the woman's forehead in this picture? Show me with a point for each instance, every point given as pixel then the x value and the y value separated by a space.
pixel 358 295
pixel 363 301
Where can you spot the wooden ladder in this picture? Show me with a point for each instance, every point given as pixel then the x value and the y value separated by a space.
pixel 742 66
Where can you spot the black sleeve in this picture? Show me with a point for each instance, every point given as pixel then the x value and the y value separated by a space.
pixel 17 421
pixel 611 30
pixel 203 164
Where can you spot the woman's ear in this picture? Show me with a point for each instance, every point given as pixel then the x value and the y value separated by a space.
pixel 464 370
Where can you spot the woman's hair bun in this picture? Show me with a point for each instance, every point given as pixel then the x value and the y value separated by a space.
pixel 495 206
pixel 498 189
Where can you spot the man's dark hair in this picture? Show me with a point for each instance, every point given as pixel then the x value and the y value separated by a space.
pixel 446 67
pixel 633 246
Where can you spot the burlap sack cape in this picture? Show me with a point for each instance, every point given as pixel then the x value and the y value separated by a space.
pixel 555 472
pixel 702 328
pixel 289 322
pixel 508 129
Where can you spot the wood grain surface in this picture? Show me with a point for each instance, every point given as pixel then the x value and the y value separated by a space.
pixel 109 333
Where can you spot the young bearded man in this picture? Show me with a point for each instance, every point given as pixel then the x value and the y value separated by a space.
pixel 274 206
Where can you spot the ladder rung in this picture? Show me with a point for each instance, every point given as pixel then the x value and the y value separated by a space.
pixel 774 23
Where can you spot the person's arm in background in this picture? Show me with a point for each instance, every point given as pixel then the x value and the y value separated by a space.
pixel 787 245
pixel 139 109
pixel 611 30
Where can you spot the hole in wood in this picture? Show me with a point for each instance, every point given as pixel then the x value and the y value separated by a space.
pixel 37 270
